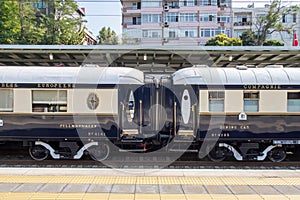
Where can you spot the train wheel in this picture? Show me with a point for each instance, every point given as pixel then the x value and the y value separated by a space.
pixel 217 154
pixel 277 155
pixel 38 152
pixel 100 152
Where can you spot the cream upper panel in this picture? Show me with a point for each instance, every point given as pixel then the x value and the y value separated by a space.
pixel 108 101
pixel 273 101
pixel 203 104
pixel 22 100
pixel 234 101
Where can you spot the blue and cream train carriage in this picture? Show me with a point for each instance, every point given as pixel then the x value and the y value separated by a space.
pixel 252 112
pixel 63 112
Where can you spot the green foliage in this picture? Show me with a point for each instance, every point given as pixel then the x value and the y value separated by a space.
pixel 249 38
pixel 9 22
pixel 22 23
pixel 31 31
pixel 223 40
pixel 107 36
pixel 273 43
pixel 272 22
pixel 63 26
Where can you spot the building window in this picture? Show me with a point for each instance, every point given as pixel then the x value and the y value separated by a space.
pixel 136 20
pixel 49 101
pixel 208 2
pixel 224 3
pixel 152 33
pixel 189 33
pixel 172 17
pixel 225 19
pixel 6 100
pixel 208 17
pixel 40 4
pixel 151 4
pixel 151 18
pixel 251 100
pixel 188 17
pixel 172 34
pixel 293 102
pixel 136 5
pixel 289 18
pixel 216 101
pixel 188 3
pixel 211 32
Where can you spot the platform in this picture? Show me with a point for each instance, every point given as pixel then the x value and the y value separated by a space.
pixel 123 184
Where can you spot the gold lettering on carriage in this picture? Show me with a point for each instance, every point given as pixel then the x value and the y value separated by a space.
pixel 77 125
pixel 56 85
pixel 262 87
pixel 8 85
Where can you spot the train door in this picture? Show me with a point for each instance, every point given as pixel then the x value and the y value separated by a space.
pixel 129 111
pixel 135 120
pixel 185 111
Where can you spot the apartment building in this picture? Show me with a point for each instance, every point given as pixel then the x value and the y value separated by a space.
pixel 175 22
pixel 246 18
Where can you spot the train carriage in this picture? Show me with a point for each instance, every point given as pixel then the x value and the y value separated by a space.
pixel 64 111
pixel 248 112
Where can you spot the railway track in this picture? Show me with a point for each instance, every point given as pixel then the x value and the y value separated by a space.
pixel 155 162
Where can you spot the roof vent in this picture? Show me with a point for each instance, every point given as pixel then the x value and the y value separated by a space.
pixel 241 67
pixel 89 65
pixel 274 66
pixel 200 66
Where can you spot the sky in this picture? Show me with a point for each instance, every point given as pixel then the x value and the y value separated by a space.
pixel 100 13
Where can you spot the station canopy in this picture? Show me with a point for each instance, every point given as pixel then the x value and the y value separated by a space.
pixel 151 59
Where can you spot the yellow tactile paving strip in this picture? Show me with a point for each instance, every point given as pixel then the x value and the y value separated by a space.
pixel 107 196
pixel 151 180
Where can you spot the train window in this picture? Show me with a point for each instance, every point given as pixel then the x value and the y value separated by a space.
pixel 293 102
pixel 216 101
pixel 251 101
pixel 6 100
pixel 49 101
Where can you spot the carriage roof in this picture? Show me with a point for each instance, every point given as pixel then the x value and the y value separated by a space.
pixel 200 75
pixel 82 75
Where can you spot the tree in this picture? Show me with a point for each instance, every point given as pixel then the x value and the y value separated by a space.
pixel 31 30
pixel 9 22
pixel 223 40
pixel 63 26
pixel 18 23
pixel 22 23
pixel 272 21
pixel 107 36
pixel 248 38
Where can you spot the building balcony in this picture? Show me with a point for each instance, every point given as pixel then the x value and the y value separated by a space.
pixel 131 25
pixel 130 10
pixel 249 23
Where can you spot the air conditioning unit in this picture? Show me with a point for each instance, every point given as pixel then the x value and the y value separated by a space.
pixel 166 24
pixel 166 7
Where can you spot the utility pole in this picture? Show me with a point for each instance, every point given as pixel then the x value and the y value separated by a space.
pixel 163 23
pixel 165 7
